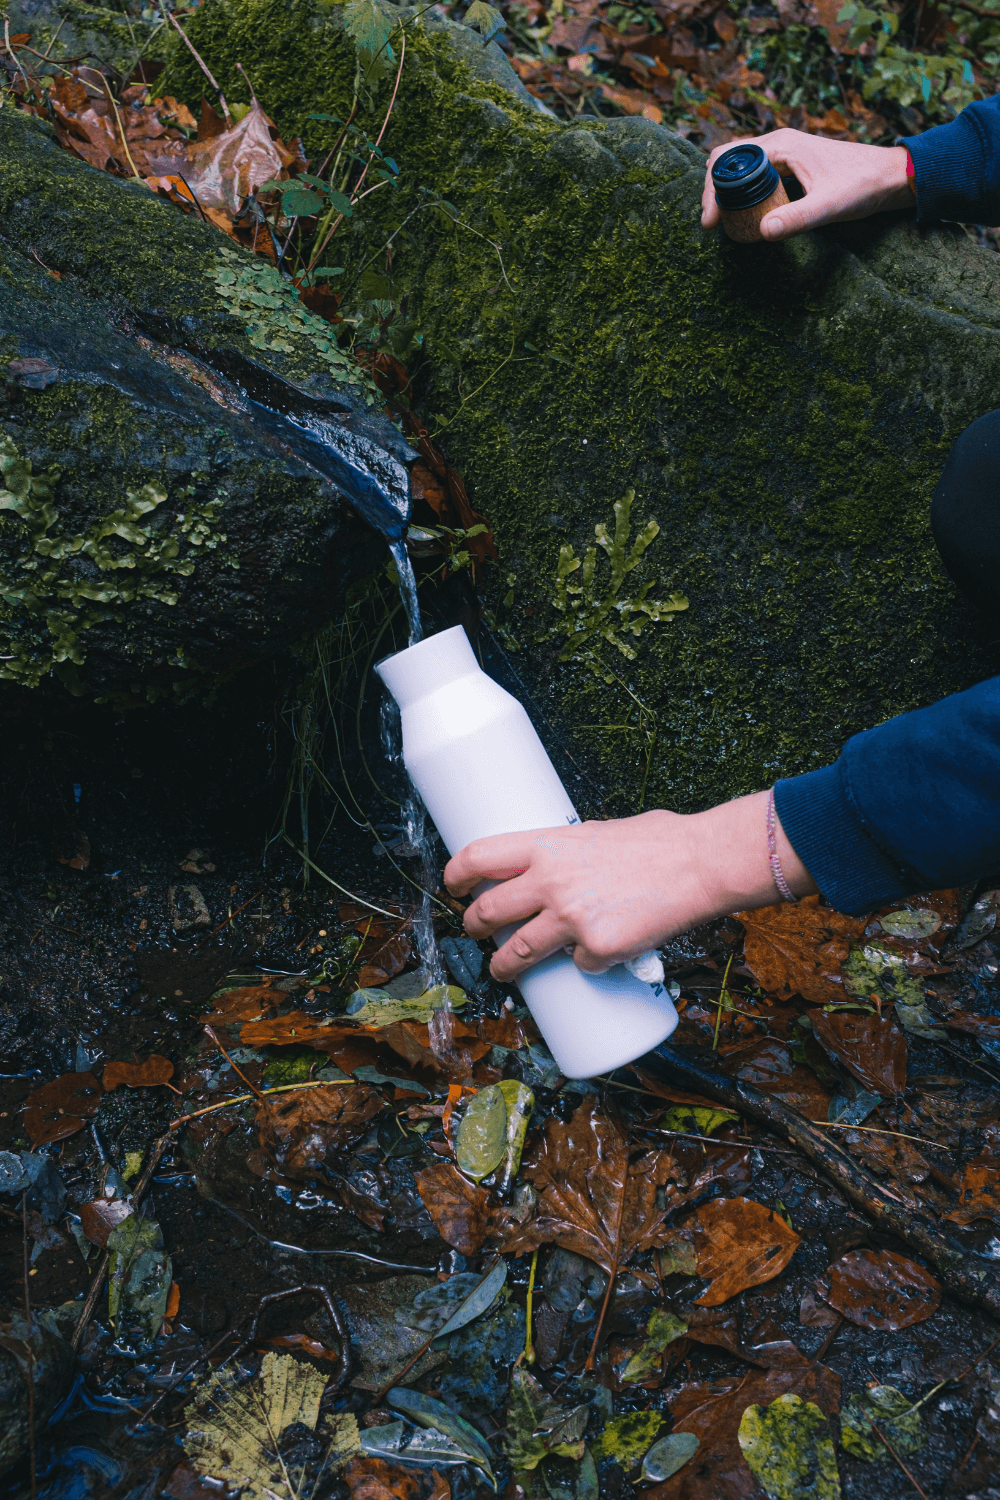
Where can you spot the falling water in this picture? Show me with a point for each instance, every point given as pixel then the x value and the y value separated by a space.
pixel 407 589
pixel 414 812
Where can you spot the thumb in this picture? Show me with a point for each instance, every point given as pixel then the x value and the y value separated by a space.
pixel 795 218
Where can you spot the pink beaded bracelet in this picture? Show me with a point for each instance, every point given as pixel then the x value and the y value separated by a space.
pixel 777 874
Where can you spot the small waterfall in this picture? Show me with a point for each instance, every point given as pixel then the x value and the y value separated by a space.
pixel 407 589
pixel 415 828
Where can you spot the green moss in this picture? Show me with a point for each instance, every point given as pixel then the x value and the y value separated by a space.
pixel 763 403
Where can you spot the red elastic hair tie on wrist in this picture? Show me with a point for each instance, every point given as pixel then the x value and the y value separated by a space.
pixel 911 174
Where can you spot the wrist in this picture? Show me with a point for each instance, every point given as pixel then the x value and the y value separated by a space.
pixel 896 189
pixel 732 856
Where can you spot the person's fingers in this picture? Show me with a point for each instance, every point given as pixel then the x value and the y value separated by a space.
pixel 807 213
pixel 512 901
pixel 496 858
pixel 529 945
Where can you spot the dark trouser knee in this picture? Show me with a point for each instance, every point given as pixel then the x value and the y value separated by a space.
pixel 965 513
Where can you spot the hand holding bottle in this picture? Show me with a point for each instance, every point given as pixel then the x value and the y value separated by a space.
pixel 612 890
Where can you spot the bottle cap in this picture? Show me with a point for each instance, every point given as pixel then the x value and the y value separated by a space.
pixel 743 177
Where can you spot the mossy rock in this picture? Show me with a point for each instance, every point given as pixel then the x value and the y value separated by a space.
pixel 782 412
pixel 185 453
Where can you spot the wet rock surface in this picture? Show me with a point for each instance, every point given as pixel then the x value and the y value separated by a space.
pixel 189 483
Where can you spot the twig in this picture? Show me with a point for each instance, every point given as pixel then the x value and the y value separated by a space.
pixel 229 1333
pixel 971 1278
pixel 612 1276
pixel 430 1339
pixel 159 1146
pixel 194 199
pixel 978 10
pixel 393 915
pixel 709 1140
pixel 378 141
pixel 282 1088
pixel 121 129
pixel 873 1129
pixel 27 1345
pixel 969 1062
pixel 724 995
pixel 251 1086
pixel 199 60
pixel 243 70
pixel 882 1437
pixel 529 1348
pixel 17 63
pixel 825 1345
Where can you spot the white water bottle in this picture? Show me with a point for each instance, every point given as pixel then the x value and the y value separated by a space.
pixel 474 757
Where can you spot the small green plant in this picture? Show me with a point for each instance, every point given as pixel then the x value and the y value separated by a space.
pixel 586 612
pixel 942 85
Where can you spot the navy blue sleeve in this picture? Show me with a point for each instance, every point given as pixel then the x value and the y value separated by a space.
pixel 913 805
pixel 957 166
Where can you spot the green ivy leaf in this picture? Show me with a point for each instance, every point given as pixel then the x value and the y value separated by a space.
pixel 300 202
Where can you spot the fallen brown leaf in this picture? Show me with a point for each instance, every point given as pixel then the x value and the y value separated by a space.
pixel 739 1243
pixel 100 1217
pixel 591 1198
pixel 58 1109
pixel 299 1130
pixel 374 1479
pixel 462 1213
pixel 711 1410
pixel 871 1047
pixel 155 1070
pixel 768 1063
pixel 880 1289
pixel 978 1193
pixel 799 949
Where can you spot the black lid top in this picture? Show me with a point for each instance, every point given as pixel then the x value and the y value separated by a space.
pixel 743 176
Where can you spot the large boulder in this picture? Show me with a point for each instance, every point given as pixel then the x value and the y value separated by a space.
pixel 190 470
pixel 782 413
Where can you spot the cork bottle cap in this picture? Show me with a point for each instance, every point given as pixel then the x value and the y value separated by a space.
pixel 743 177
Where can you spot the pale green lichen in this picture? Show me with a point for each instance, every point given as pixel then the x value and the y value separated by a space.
pixel 61 593
pixel 585 611
pixel 276 319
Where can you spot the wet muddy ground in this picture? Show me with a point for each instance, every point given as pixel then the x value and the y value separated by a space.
pixel 171 812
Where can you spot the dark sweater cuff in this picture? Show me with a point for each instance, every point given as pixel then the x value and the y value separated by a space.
pixel 818 816
pixel 949 165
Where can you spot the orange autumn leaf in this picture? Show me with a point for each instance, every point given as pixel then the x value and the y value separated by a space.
pixel 246 1003
pixel 739 1243
pixel 155 1070
pixel 978 1194
pixel 460 1211
pixel 873 1048
pixel 768 1064
pixel 99 1217
pixel 301 1343
pixel 799 949
pixel 173 1301
pixel 374 1479
pixel 299 1130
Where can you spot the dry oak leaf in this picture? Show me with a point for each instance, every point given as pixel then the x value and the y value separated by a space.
pixel 461 1213
pixel 978 1194
pixel 228 167
pixel 58 1109
pixel 799 949
pixel 154 1071
pixel 591 1198
pixel 873 1048
pixel 718 1471
pixel 880 1289
pixel 300 1129
pixel 739 1243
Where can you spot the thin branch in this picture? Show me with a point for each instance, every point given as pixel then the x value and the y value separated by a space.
pixel 121 130
pixel 882 1437
pixel 202 65
pixel 251 1086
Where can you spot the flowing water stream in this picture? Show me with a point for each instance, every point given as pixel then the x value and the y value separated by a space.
pixel 414 812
